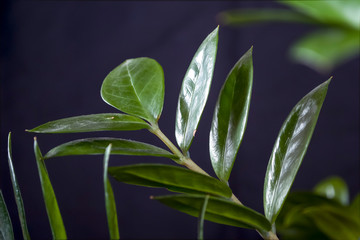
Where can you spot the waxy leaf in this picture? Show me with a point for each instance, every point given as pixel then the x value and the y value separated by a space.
pixel 334 188
pixel 202 217
pixel 136 87
pixel 110 205
pixel 218 210
pixel 52 208
pixel 290 148
pixel 195 90
pixel 6 230
pixel 95 146
pixel 92 123
pixel 17 193
pixel 175 179
pixel 230 117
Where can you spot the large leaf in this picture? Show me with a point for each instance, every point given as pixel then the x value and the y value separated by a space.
pixel 92 123
pixel 195 90
pixel 52 208
pixel 289 149
pixel 136 87
pixel 110 205
pixel 173 178
pixel 17 193
pixel 334 188
pixel 6 230
pixel 92 146
pixel 230 116
pixel 219 210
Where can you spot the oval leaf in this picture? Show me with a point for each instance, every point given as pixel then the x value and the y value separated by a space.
pixel 195 90
pixel 175 179
pixel 92 123
pixel 6 230
pixel 218 210
pixel 95 146
pixel 290 148
pixel 136 87
pixel 230 116
pixel 52 208
pixel 334 188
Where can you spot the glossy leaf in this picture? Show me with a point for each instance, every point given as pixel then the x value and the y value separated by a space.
pixel 17 193
pixel 334 188
pixel 6 230
pixel 92 123
pixel 202 217
pixel 94 146
pixel 110 205
pixel 136 87
pixel 52 208
pixel 195 90
pixel 230 116
pixel 176 179
pixel 219 210
pixel 290 148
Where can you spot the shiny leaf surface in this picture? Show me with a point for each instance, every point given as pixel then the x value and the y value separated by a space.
pixel 136 87
pixel 175 179
pixel 17 193
pixel 195 90
pixel 94 146
pixel 52 208
pixel 92 123
pixel 110 205
pixel 6 230
pixel 334 188
pixel 230 117
pixel 219 210
pixel 290 148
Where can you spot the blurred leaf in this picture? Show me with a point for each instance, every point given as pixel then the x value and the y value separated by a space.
pixel 195 90
pixel 219 210
pixel 201 218
pixel 136 87
pixel 92 123
pixel 334 188
pixel 325 49
pixel 92 146
pixel 230 116
pixel 17 193
pixel 173 178
pixel 6 230
pixel 355 207
pixel 52 208
pixel 290 148
pixel 110 205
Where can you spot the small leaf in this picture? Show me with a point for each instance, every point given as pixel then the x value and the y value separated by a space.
pixel 6 230
pixel 334 188
pixel 195 90
pixel 95 146
pixel 230 117
pixel 290 148
pixel 136 87
pixel 110 205
pixel 201 218
pixel 173 178
pixel 17 193
pixel 52 208
pixel 92 123
pixel 219 210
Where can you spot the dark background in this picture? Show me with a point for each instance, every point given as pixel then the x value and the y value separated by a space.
pixel 54 57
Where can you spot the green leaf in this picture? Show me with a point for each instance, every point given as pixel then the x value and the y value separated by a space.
pixel 52 208
pixel 173 178
pixel 17 193
pixel 201 218
pixel 136 87
pixel 195 90
pixel 323 50
pixel 355 207
pixel 334 188
pixel 92 123
pixel 219 210
pixel 6 230
pixel 95 146
pixel 290 148
pixel 230 116
pixel 110 200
